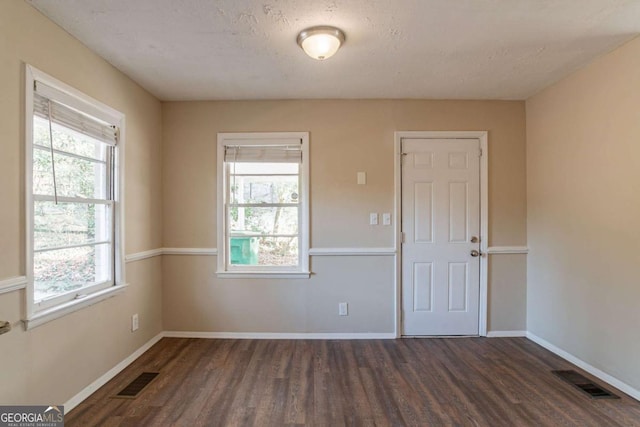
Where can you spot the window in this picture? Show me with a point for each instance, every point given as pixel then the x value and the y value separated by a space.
pixel 73 188
pixel 263 204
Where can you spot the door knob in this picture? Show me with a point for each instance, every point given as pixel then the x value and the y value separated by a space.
pixel 474 239
pixel 475 253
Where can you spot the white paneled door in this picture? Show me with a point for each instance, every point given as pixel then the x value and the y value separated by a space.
pixel 441 226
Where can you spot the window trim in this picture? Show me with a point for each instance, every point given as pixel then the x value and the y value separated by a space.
pixel 304 229
pixel 37 314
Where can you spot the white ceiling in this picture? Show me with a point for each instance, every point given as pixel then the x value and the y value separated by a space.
pixel 445 49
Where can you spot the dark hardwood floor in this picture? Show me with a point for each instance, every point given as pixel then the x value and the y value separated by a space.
pixel 412 382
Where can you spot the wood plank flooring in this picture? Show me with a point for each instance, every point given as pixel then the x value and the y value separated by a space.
pixel 407 382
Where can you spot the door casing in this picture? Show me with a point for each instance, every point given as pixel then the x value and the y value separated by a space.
pixel 482 136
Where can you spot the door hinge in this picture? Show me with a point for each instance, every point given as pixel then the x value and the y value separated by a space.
pixel 481 152
pixel 402 237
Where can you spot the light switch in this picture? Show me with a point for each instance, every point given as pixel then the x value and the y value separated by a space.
pixel 373 219
pixel 362 178
pixel 386 219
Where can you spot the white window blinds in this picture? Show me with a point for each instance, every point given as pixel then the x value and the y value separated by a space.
pixel 47 106
pixel 287 153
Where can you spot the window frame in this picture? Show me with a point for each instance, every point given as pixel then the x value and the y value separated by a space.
pixel 52 308
pixel 224 269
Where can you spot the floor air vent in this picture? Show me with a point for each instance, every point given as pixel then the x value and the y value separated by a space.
pixel 583 383
pixel 136 386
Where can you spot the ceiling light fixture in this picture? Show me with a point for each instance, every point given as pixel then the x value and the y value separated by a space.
pixel 321 42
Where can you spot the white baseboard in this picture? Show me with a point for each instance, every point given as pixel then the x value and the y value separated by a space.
pixel 91 388
pixel 281 336
pixel 626 388
pixel 506 334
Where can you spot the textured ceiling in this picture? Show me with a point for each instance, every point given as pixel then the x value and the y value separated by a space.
pixel 445 49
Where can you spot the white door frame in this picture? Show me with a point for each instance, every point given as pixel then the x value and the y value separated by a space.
pixel 484 216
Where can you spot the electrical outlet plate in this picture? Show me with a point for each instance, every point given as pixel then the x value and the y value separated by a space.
pixel 343 309
pixel 386 219
pixel 135 322
pixel 362 178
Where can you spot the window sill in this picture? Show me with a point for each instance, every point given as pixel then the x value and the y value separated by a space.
pixel 263 275
pixel 49 314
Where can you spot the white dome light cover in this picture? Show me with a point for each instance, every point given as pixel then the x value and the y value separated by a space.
pixel 321 42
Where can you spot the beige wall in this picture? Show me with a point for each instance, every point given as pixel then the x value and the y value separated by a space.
pixel 195 300
pixel 507 292
pixel 583 214
pixel 53 362
pixel 345 137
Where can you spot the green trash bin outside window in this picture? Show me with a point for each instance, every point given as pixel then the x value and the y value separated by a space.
pixel 244 250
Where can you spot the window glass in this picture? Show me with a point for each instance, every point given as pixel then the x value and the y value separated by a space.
pixel 60 271
pixel 66 224
pixel 263 213
pixel 264 208
pixel 73 209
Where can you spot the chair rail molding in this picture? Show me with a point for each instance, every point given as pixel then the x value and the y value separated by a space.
pixel 352 251
pixel 495 250
pixel 13 284
pixel 364 251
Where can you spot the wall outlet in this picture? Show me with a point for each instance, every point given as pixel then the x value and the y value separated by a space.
pixel 343 309
pixel 373 218
pixel 135 323
pixel 362 178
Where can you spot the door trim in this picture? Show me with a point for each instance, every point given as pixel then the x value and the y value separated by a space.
pixel 484 216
